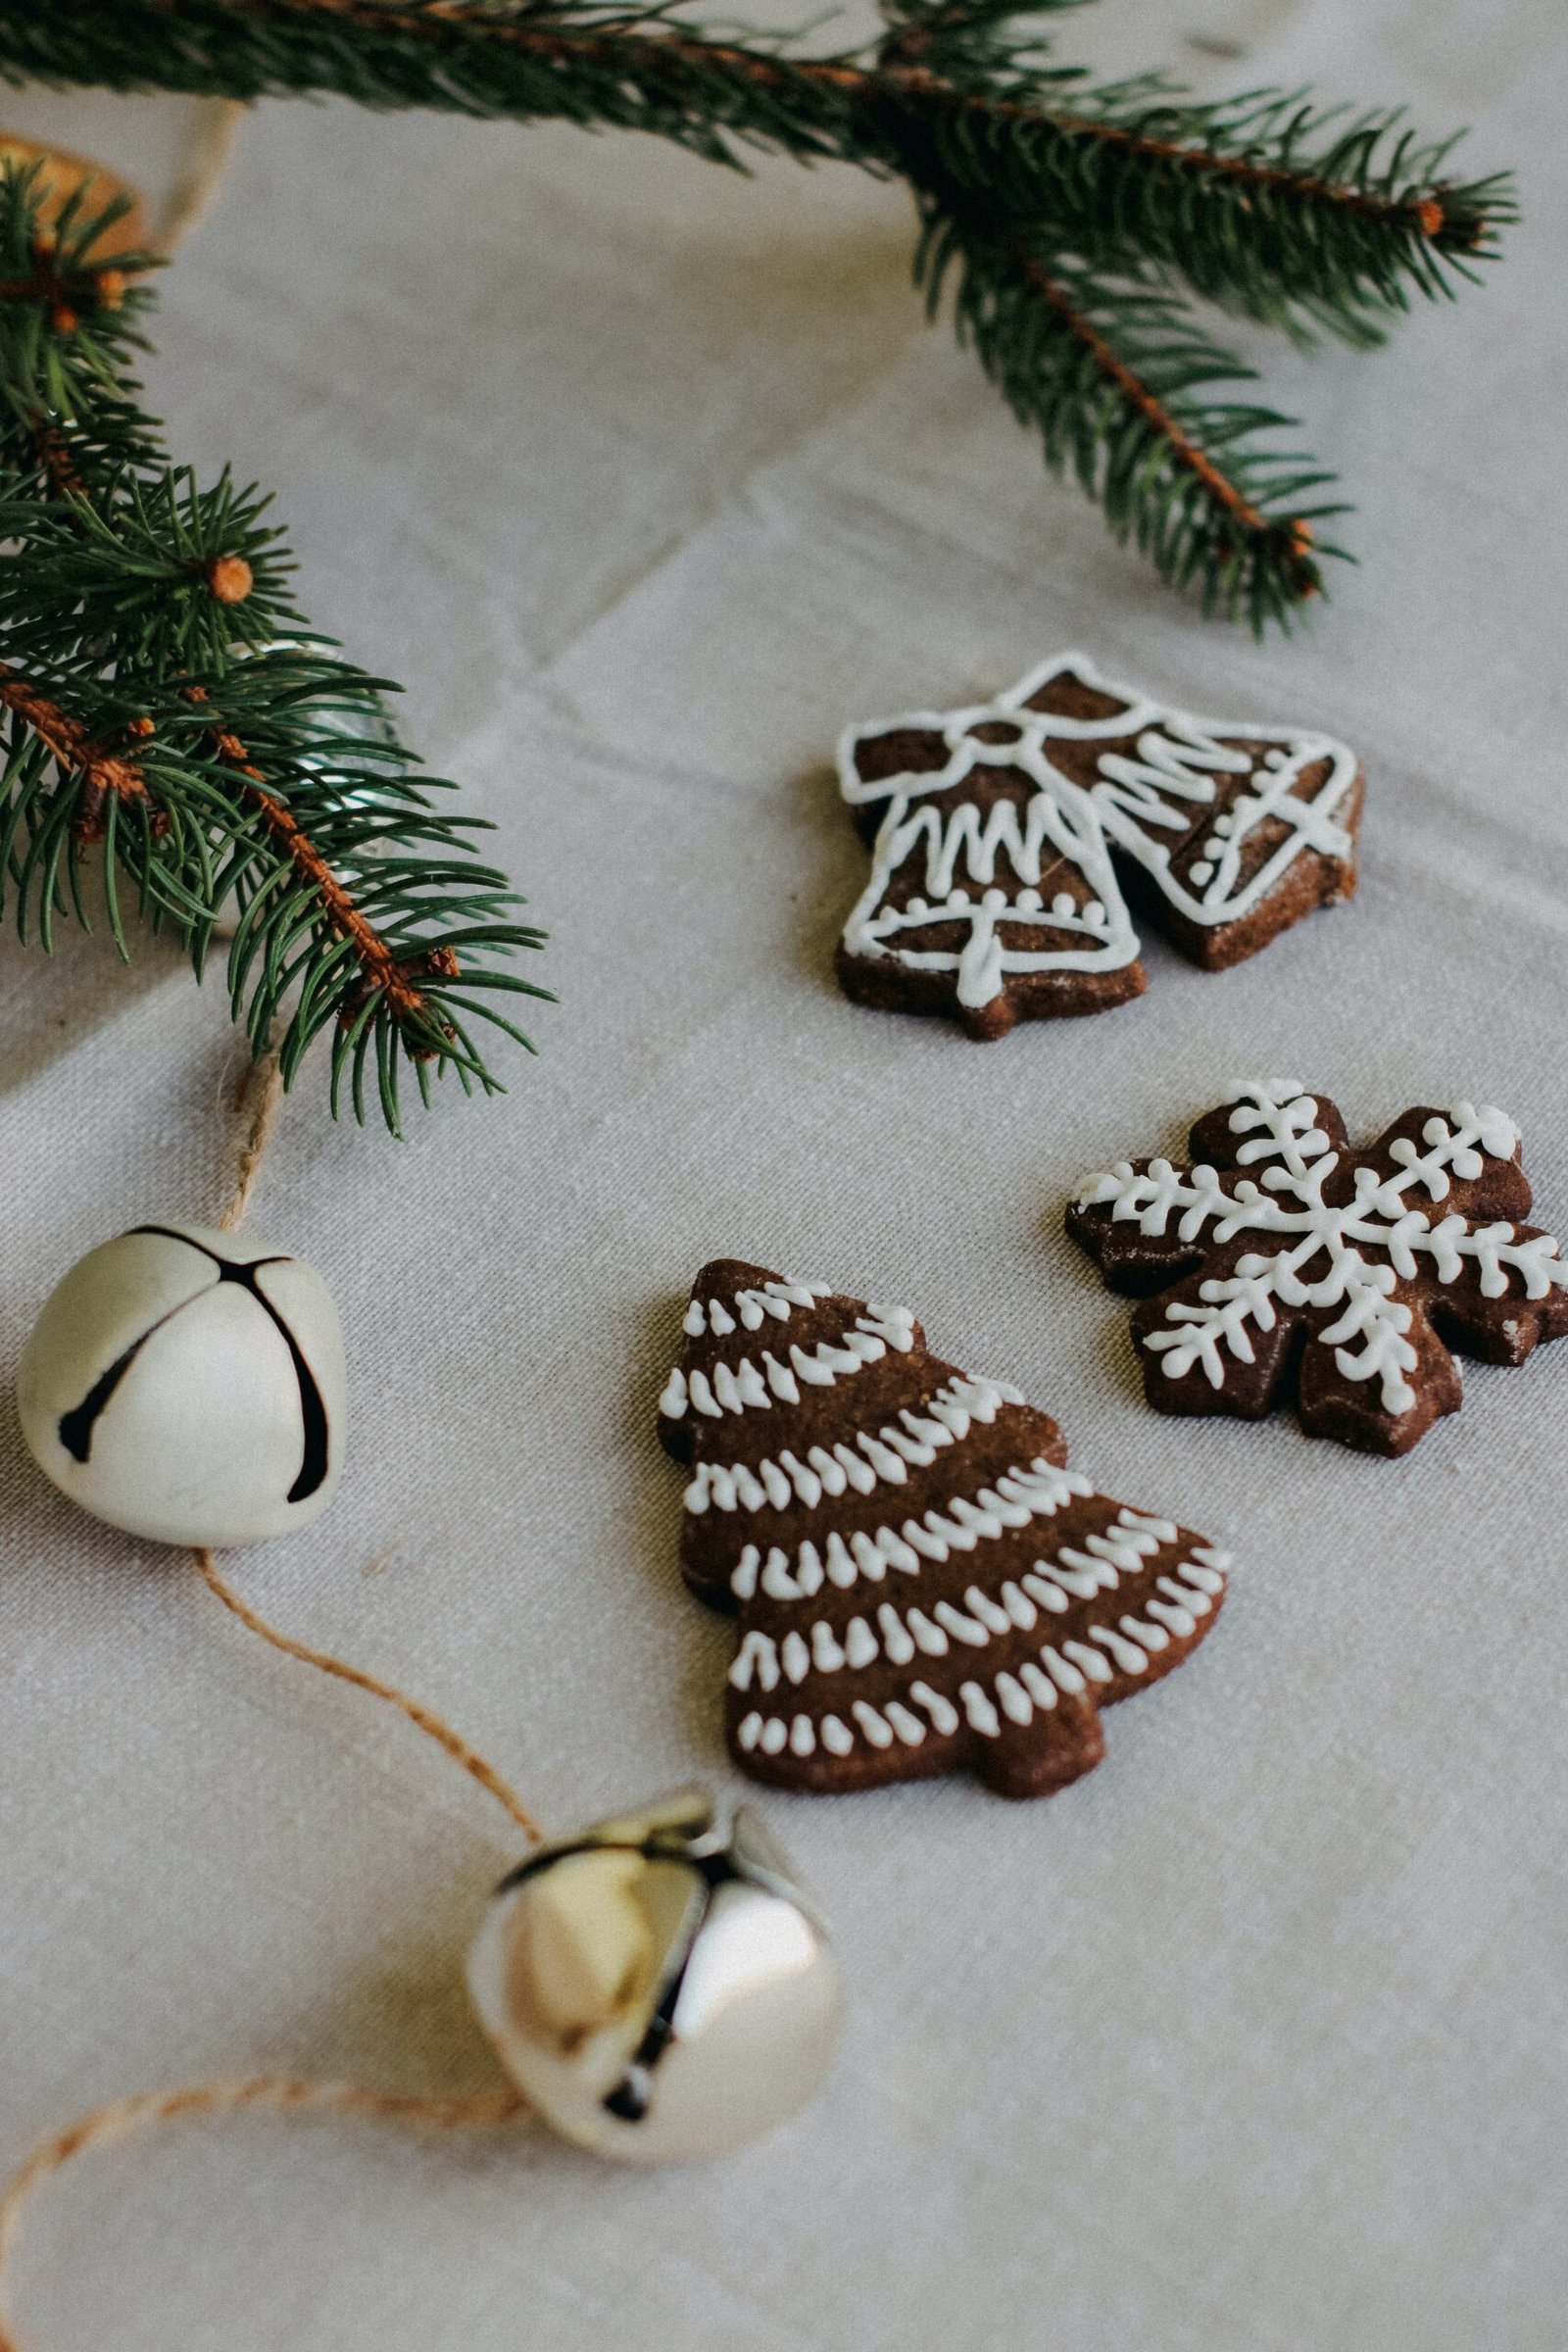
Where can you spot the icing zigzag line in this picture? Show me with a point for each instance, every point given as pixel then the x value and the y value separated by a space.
pixel 884 1457
pixel 1018 1497
pixel 1073 1669
pixel 731 1388
pixel 1050 1586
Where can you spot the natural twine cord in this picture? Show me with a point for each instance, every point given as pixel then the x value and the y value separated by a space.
pixel 279 2094
pixel 261 1087
pixel 424 1718
pixel 197 185
pixel 261 1090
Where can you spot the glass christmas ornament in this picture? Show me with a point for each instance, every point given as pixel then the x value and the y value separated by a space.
pixel 658 1984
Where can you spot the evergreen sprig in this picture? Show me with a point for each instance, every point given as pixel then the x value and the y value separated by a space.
pixel 1119 383
pixel 1072 220
pixel 168 719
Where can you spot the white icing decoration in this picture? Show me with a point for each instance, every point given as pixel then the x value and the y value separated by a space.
pixel 1016 1704
pixel 1042 1489
pixel 927 1636
pixel 1041 1688
pixel 757 1654
pixel 1324 1256
pixel 1136 798
pixel 982 1715
pixel 995 1619
pixel 964 1629
pixel 942 1713
pixel 732 1387
pixel 883 1457
pixel 826 1653
pixel 1021 1689
pixel 898 1641
pixel 859 1643
pixel 1128 1655
pixel 777 1299
pixel 1066 1677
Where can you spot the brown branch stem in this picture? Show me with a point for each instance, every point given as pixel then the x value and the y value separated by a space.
pixel 382 970
pixel 101 772
pixel 1183 448
pixel 1422 214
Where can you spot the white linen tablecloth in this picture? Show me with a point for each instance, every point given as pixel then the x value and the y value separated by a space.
pixel 646 479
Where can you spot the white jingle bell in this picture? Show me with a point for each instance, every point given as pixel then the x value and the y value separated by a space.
pixel 658 1986
pixel 189 1385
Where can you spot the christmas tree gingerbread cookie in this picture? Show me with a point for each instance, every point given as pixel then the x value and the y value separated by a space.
pixel 1281 1262
pixel 1011 843
pixel 921 1584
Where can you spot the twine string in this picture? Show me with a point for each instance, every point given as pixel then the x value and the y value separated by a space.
pixel 423 1718
pixel 279 2094
pixel 261 1088
pixel 197 185
pixel 261 1093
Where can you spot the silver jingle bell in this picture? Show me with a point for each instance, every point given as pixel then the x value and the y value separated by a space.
pixel 189 1385
pixel 658 1986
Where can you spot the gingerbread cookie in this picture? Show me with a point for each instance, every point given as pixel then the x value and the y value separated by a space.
pixel 1283 1263
pixel 1010 841
pixel 922 1586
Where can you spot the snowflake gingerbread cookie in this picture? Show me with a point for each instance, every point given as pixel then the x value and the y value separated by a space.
pixel 922 1586
pixel 1007 839
pixel 1279 1261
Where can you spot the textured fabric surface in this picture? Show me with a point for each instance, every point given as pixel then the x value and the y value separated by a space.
pixel 647 479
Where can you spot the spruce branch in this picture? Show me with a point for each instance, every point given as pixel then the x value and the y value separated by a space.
pixel 1118 384
pixel 1310 219
pixel 166 717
